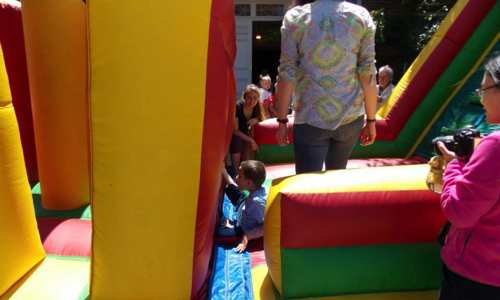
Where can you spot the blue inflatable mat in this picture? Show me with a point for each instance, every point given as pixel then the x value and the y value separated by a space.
pixel 231 273
pixel 231 276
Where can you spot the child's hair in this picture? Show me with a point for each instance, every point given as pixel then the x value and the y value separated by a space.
pixel 265 78
pixel 259 110
pixel 255 171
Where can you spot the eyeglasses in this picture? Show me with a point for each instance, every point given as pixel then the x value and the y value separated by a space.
pixel 480 92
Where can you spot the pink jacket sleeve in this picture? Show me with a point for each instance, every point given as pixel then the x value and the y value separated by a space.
pixel 470 190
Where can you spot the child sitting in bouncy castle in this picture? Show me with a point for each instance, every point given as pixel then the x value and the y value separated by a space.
pixel 249 223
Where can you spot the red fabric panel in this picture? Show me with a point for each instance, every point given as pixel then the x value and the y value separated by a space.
pixel 253 245
pixel 359 218
pixel 384 133
pixel 465 25
pixel 218 118
pixel 258 258
pixel 265 132
pixel 456 37
pixel 65 237
pixel 12 40
pixel 278 171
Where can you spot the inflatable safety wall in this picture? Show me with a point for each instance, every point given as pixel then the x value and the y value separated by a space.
pixel 12 40
pixel 55 34
pixel 360 231
pixel 161 110
pixel 20 246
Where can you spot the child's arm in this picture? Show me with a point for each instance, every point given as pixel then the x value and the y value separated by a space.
pixel 226 176
pixel 255 233
pixel 242 245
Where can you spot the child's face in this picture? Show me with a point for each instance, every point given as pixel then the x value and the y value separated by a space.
pixel 266 84
pixel 251 98
pixel 243 183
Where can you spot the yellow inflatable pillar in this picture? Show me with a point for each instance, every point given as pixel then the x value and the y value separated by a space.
pixel 148 65
pixel 20 246
pixel 56 51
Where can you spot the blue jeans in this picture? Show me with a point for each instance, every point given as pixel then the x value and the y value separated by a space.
pixel 314 146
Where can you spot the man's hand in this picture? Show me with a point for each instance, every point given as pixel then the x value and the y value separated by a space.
pixel 368 134
pixel 242 245
pixel 282 135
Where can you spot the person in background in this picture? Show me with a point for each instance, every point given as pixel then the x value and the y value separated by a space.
pixel 249 111
pixel 328 65
pixel 471 202
pixel 385 86
pixel 265 94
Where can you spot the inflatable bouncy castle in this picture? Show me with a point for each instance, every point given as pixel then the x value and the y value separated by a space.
pixel 115 117
pixel 124 109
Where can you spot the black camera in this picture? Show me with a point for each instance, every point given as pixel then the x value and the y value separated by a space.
pixel 461 142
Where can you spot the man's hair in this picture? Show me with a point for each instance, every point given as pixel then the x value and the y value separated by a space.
pixel 388 69
pixel 255 171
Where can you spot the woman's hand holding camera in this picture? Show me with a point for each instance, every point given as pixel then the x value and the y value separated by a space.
pixel 447 154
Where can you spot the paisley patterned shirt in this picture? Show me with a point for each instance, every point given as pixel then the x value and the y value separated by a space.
pixel 325 47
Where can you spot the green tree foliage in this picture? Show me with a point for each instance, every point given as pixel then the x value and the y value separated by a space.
pixel 431 13
pixel 407 31
pixel 379 20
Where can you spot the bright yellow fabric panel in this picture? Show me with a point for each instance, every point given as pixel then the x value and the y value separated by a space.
pixel 262 283
pixel 422 57
pixel 147 92
pixel 56 53
pixel 395 178
pixel 20 246
pixel 272 229
pixel 54 279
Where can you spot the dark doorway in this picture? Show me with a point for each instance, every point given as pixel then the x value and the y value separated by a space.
pixel 266 47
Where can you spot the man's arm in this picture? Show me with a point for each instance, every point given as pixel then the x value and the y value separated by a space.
pixel 369 88
pixel 285 91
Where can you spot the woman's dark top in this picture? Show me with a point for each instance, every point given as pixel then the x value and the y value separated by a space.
pixel 242 120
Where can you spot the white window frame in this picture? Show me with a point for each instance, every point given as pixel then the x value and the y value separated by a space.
pixel 253 9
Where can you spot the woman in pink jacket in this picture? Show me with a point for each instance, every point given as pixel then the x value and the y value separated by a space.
pixel 471 202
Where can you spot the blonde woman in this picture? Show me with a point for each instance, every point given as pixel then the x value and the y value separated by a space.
pixel 249 111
